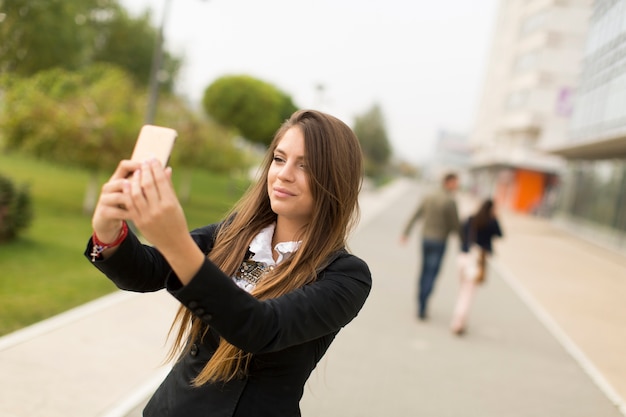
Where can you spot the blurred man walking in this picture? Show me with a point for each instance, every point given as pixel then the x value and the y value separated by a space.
pixel 440 216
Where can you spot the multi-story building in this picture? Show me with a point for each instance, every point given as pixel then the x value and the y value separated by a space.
pixel 594 187
pixel 452 154
pixel 526 103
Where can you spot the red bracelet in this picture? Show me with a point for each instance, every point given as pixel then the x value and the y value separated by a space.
pixel 99 246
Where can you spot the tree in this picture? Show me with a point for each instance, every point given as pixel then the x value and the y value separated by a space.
pixel 370 129
pixel 37 35
pixel 82 118
pixel 201 143
pixel 16 211
pixel 40 34
pixel 91 118
pixel 86 118
pixel 129 43
pixel 254 107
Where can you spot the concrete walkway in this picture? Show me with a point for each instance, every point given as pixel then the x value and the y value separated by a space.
pixel 546 337
pixel 518 357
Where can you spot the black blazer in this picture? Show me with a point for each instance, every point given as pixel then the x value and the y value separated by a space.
pixel 482 237
pixel 288 335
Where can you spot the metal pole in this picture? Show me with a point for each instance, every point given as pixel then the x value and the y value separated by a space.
pixel 155 69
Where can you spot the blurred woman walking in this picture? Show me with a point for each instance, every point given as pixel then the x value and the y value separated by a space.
pixel 476 244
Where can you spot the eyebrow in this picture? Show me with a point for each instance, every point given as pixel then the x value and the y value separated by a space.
pixel 280 151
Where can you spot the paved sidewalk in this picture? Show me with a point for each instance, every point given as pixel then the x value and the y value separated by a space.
pixel 546 336
pixel 578 291
pixel 89 361
pixel 515 360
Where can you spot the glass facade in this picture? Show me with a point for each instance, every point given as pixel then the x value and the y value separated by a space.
pixel 596 191
pixel 600 109
pixel 593 191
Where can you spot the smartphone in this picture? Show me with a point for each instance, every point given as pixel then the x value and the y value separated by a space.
pixel 154 142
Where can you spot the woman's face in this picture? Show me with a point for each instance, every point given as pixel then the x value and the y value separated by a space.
pixel 288 179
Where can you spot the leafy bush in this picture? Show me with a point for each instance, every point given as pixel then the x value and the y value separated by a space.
pixel 16 211
pixel 87 118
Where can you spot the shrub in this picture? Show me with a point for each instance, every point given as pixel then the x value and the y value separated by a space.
pixel 16 211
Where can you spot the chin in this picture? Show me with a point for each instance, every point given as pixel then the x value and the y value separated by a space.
pixel 277 207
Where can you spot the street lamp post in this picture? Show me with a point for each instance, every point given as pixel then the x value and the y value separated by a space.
pixel 155 69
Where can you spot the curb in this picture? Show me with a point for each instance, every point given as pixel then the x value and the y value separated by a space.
pixel 75 314
pixel 555 330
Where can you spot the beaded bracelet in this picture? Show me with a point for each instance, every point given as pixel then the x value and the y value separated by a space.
pixel 99 246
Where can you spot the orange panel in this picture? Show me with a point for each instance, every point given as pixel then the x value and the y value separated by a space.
pixel 530 186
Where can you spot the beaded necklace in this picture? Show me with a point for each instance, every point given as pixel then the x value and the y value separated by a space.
pixel 252 271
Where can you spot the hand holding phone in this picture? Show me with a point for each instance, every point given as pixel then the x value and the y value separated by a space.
pixel 154 142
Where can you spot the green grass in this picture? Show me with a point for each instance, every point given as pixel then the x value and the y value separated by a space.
pixel 44 272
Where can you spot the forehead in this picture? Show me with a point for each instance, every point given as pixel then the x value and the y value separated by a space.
pixel 292 142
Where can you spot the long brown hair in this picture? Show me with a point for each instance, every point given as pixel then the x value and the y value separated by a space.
pixel 484 215
pixel 334 161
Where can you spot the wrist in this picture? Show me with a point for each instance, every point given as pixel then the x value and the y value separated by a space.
pixel 100 246
pixel 108 231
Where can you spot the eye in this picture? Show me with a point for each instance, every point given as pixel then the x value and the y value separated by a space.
pixel 277 159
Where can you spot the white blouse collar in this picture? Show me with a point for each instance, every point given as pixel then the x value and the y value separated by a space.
pixel 261 247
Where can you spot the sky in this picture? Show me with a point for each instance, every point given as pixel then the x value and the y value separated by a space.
pixel 422 62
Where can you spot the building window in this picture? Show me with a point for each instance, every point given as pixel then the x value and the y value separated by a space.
pixel 534 22
pixel 598 193
pixel 516 99
pixel 526 62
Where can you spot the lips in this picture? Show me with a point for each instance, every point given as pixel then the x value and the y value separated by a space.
pixel 282 192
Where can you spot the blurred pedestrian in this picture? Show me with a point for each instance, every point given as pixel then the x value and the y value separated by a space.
pixel 439 214
pixel 265 291
pixel 476 245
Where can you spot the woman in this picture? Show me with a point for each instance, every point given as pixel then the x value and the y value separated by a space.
pixel 478 232
pixel 264 292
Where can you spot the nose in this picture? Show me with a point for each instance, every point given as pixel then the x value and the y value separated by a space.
pixel 286 172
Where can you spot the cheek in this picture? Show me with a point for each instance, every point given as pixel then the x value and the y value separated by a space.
pixel 305 184
pixel 309 193
pixel 271 176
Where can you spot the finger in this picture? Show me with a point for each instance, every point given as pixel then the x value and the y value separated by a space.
pixel 125 169
pixel 111 193
pixel 113 186
pixel 109 212
pixel 168 175
pixel 162 180
pixel 148 183
pixel 134 192
pixel 113 212
pixel 115 199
